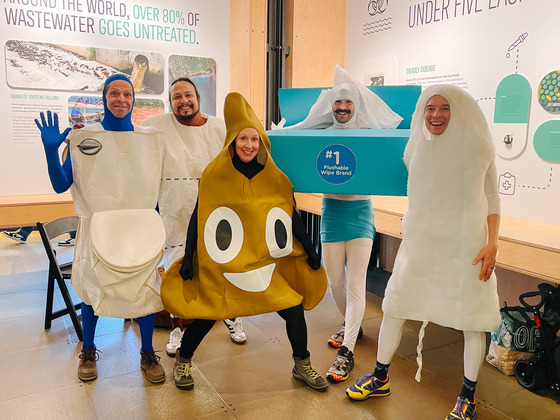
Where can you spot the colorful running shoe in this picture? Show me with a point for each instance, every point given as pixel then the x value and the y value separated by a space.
pixel 342 365
pixel 368 386
pixel 463 410
pixel 336 339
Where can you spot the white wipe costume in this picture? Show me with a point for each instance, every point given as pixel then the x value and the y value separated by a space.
pixel 371 111
pixel 452 188
pixel 188 150
pixel 120 242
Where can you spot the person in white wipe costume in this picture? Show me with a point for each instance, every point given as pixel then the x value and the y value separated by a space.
pixel 114 172
pixel 347 226
pixel 444 269
pixel 192 140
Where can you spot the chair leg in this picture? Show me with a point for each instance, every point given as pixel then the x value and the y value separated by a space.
pixel 71 308
pixel 50 296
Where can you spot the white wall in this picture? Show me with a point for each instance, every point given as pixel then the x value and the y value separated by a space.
pixel 172 27
pixel 475 44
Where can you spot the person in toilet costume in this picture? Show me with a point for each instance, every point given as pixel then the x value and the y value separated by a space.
pixel 246 251
pixel 444 268
pixel 347 226
pixel 114 173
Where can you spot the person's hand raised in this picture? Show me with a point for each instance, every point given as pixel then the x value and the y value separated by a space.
pixel 51 136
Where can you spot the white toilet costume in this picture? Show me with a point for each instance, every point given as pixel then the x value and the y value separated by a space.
pixel 116 186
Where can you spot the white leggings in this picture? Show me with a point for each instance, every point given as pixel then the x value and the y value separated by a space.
pixel 346 264
pixel 390 335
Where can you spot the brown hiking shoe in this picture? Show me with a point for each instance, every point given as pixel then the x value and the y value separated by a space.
pixel 181 372
pixel 149 362
pixel 87 369
pixel 304 371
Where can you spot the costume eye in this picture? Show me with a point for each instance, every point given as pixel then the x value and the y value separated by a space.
pixel 223 235
pixel 279 238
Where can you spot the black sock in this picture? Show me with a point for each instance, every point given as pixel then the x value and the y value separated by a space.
pixel 381 371
pixel 468 389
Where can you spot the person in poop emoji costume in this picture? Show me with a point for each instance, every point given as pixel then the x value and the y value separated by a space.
pixel 247 251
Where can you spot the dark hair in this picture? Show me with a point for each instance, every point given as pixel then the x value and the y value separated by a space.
pixel 184 79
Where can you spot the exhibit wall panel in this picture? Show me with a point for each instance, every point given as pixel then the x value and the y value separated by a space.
pixel 502 52
pixel 57 55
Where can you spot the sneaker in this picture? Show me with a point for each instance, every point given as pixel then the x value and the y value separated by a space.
pixel 15 236
pixel 149 362
pixel 87 369
pixel 236 330
pixel 182 372
pixel 174 342
pixel 337 339
pixel 342 365
pixel 368 386
pixel 67 242
pixel 463 410
pixel 304 371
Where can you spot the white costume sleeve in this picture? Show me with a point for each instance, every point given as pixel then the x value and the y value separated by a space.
pixel 491 190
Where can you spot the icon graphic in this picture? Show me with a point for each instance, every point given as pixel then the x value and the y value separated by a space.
pixel 336 164
pixel 377 6
pixel 506 184
pixel 518 41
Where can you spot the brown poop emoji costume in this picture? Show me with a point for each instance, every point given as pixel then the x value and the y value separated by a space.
pixel 247 260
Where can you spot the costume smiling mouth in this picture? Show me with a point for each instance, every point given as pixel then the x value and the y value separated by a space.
pixel 256 280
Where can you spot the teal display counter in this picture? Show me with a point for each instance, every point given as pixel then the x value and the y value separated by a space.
pixel 363 161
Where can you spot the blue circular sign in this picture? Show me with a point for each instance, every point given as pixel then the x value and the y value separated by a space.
pixel 336 164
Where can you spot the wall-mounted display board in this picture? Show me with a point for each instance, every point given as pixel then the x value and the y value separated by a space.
pixel 56 55
pixel 501 53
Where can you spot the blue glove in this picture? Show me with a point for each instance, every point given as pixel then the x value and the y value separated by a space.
pixel 51 136
pixel 60 176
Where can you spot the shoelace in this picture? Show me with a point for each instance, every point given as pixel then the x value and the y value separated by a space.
pixel 311 371
pixel 175 337
pixel 89 355
pixel 340 362
pixel 237 328
pixel 151 357
pixel 183 369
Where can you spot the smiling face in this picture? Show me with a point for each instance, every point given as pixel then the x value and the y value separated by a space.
pixel 119 98
pixel 184 101
pixel 437 114
pixel 247 144
pixel 343 110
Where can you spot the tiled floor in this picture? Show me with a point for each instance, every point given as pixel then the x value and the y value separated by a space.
pixel 253 381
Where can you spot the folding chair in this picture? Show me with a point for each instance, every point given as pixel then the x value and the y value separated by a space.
pixel 59 272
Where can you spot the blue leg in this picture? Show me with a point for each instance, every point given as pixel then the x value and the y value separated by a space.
pixel 89 322
pixel 146 324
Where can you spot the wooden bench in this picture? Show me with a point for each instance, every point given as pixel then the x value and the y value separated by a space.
pixel 27 210
pixel 525 247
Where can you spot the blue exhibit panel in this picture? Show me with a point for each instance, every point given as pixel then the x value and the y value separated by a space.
pixel 357 162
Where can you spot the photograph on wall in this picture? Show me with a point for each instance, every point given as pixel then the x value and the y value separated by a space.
pixel 84 110
pixel 202 71
pixel 88 110
pixel 44 66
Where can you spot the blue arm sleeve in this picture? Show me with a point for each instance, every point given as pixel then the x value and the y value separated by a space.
pixel 52 138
